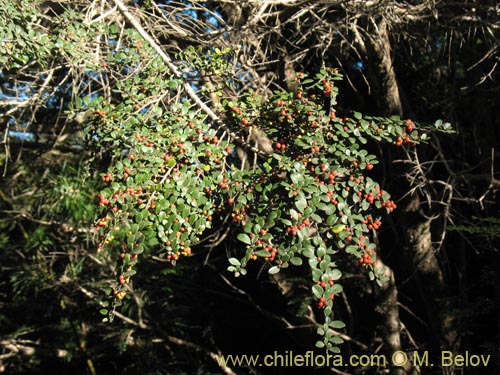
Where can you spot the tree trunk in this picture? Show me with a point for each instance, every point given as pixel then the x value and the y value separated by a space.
pixel 389 309
pixel 380 69
pixel 418 229
pixel 383 78
pixel 442 317
pixel 387 90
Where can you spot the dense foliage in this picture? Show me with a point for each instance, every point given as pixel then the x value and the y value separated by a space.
pixel 172 176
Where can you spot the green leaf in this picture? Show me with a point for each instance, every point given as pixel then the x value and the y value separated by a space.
pixel 352 249
pixel 248 228
pixel 296 261
pixel 316 275
pixel 329 209
pixel 337 324
pixel 153 241
pixel 243 237
pixel 336 340
pixel 327 311
pixel 308 253
pixel 138 250
pixel 294 214
pixel 332 219
pixel 316 218
pixel 323 265
pixel 301 203
pixel 273 270
pixel 296 178
pixel 129 273
pixel 317 291
pixel 365 205
pixel 262 253
pixel 335 274
pixel 312 263
pixel 337 288
pixel 234 262
pixel 334 349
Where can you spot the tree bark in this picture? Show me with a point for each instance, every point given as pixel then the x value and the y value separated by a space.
pixel 389 309
pixel 383 78
pixel 377 50
pixel 418 229
pixel 390 100
pixel 441 315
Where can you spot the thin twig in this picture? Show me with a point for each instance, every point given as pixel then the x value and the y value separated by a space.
pixel 187 87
